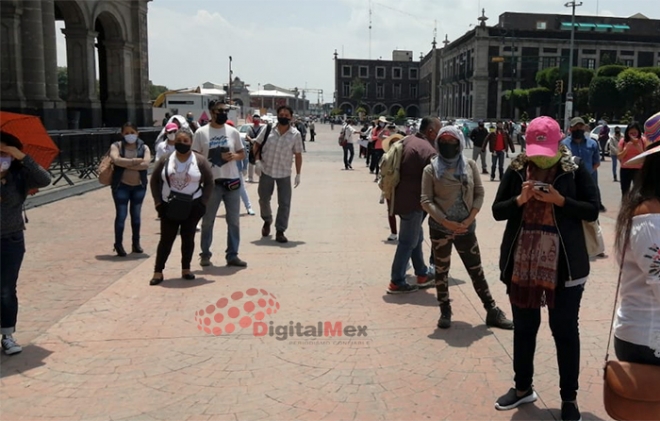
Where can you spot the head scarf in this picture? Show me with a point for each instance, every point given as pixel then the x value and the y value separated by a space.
pixel 181 119
pixel 441 164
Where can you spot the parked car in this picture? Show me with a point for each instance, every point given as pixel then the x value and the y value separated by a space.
pixel 596 131
pixel 243 130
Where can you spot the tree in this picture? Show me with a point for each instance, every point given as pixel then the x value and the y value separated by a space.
pixel 637 90
pixel 604 96
pixel 357 90
pixel 655 70
pixel 547 78
pixel 611 70
pixel 520 98
pixel 582 99
pixel 539 97
pixel 156 90
pixel 582 77
pixel 63 82
pixel 606 60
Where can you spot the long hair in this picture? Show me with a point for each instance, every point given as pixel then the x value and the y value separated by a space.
pixel 647 187
pixel 631 126
pixel 11 140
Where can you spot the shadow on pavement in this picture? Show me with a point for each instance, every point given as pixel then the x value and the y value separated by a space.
pixel 419 298
pixel 219 270
pixel 114 257
pixel 461 334
pixel 183 283
pixel 270 242
pixel 532 412
pixel 33 356
pixel 586 416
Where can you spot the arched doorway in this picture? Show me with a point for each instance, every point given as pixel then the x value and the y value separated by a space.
pixel 412 111
pixel 379 109
pixel 394 109
pixel 346 108
pixel 111 51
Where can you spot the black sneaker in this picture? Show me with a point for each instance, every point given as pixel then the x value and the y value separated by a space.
pixel 236 262
pixel 496 318
pixel 401 289
pixel 570 411
pixel 511 400
pixel 444 322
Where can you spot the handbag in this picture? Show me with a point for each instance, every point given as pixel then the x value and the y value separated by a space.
pixel 593 238
pixel 105 169
pixel 631 391
pixel 179 205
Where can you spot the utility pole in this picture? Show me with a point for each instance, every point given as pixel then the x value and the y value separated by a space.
pixel 514 66
pixel 369 29
pixel 568 113
pixel 229 86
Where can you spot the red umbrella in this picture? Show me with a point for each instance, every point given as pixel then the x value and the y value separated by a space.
pixel 32 134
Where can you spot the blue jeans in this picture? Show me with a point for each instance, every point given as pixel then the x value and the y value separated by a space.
pixel 411 239
pixel 128 198
pixel 12 250
pixel 232 199
pixel 498 160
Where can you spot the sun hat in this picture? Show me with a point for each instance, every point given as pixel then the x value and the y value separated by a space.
pixel 640 158
pixel 387 142
pixel 171 127
pixel 652 128
pixel 543 136
pixel 382 119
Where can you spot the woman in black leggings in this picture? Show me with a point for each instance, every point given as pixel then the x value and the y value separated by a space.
pixel 630 146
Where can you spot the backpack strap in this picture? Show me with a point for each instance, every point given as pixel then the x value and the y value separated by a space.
pixel 266 135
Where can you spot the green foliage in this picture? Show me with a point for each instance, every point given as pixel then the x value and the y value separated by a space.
pixel 655 70
pixel 156 90
pixel 606 60
pixel 581 99
pixel 524 117
pixel 360 110
pixel 627 118
pixel 604 96
pixel 357 90
pixel 547 78
pixel 539 97
pixel 520 98
pixel 581 77
pixel 336 111
pixel 637 90
pixel 63 82
pixel 610 70
pixel 401 113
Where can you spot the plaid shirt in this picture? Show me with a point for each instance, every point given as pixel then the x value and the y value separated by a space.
pixel 277 154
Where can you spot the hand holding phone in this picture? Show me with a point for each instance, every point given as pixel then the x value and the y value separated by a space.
pixel 539 186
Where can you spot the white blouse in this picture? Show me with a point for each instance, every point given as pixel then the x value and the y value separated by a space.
pixel 185 177
pixel 638 315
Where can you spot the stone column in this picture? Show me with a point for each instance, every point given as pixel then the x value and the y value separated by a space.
pixel 55 110
pixel 83 104
pixel 118 57
pixel 11 75
pixel 32 49
pixel 139 37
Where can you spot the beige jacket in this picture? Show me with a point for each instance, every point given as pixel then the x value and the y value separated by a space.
pixel 440 195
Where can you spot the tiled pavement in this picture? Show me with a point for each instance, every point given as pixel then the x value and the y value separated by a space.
pixel 100 343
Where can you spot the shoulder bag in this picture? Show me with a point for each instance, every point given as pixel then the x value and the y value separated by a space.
pixel 261 148
pixel 106 168
pixel 179 205
pixel 631 391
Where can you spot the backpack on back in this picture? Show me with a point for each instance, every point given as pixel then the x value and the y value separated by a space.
pixel 390 176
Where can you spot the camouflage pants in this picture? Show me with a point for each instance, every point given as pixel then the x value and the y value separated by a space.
pixel 468 250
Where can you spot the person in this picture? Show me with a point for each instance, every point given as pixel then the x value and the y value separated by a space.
pixel 466 135
pixel 273 166
pixel 478 136
pixel 186 173
pixel 300 126
pixel 586 148
pixel 312 131
pixel 364 137
pixel 636 330
pixel 603 137
pixel 452 195
pixel 190 119
pixel 19 174
pixel 498 143
pixel 391 219
pixel 221 144
pixel 521 136
pixel 545 196
pixel 242 172
pixel 630 146
pixel 251 136
pixel 370 144
pixel 347 132
pixel 379 133
pixel 613 147
pixel 180 122
pixel 418 150
pixel 163 148
pixel 166 119
pixel 131 158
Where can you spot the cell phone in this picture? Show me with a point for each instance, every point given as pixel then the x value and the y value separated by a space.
pixel 544 187
pixel 224 149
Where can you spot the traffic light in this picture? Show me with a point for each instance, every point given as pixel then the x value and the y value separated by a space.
pixel 559 87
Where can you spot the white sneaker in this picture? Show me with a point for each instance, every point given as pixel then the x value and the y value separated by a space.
pixel 10 346
pixel 250 211
pixel 392 237
pixel 382 199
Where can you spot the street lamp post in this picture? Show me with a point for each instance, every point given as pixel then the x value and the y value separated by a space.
pixel 568 113
pixel 229 86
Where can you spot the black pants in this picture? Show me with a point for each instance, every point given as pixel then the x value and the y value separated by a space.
pixel 312 133
pixel 349 152
pixel 633 353
pixel 627 177
pixel 12 251
pixel 168 232
pixel 564 326
pixel 376 155
pixel 370 151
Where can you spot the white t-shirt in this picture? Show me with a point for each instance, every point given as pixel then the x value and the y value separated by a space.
pixel 348 133
pixel 162 149
pixel 638 315
pixel 185 177
pixel 208 141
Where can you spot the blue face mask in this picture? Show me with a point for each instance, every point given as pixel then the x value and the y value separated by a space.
pixel 5 163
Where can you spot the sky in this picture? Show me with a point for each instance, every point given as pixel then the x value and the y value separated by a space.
pixel 290 43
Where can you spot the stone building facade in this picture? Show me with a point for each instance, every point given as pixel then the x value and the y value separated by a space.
pixel 116 29
pixel 390 85
pixel 478 68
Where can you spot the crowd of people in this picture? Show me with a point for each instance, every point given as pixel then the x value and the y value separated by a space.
pixel 547 195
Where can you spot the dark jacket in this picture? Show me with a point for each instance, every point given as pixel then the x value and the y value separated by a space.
pixel 478 136
pixel 492 138
pixel 576 185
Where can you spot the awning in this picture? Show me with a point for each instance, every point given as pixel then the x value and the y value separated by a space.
pixel 586 26
pixel 602 27
pixel 566 25
pixel 620 28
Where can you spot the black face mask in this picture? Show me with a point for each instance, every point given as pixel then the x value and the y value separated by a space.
pixel 182 148
pixel 577 134
pixel 284 121
pixel 448 150
pixel 221 118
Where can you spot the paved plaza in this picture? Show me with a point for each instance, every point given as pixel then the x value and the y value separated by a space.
pixel 101 344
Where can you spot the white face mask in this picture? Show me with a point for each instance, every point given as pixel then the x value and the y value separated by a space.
pixel 131 138
pixel 171 136
pixel 5 163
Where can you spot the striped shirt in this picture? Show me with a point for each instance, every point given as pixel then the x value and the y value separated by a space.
pixel 277 154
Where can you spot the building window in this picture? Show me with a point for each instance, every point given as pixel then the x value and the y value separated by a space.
pixel 396 73
pixel 397 90
pixel 346 71
pixel 380 91
pixel 589 63
pixel 413 91
pixel 628 62
pixel 366 90
pixel 627 53
pixel 590 52
pixel 346 89
pixel 412 74
pixel 549 62
pixel 550 50
pixel 380 72
pixel 364 71
pixel 541 25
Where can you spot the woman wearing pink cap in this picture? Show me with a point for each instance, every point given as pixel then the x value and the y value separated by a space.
pixel 163 148
pixel 544 196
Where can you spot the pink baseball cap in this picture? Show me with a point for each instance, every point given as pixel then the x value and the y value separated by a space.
pixel 171 127
pixel 542 137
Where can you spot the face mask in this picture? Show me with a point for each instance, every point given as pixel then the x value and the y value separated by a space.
pixel 256 123
pixel 284 121
pixel 448 150
pixel 190 119
pixel 577 134
pixel 182 148
pixel 171 136
pixel 221 118
pixel 545 162
pixel 131 138
pixel 381 125
pixel 5 163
